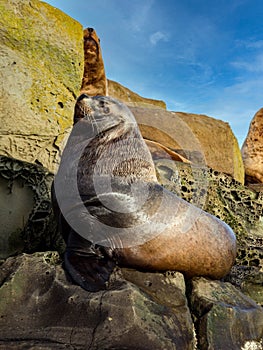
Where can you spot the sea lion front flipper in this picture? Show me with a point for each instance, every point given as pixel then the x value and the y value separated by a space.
pixel 160 151
pixel 87 266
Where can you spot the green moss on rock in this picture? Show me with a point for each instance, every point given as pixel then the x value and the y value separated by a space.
pixel 46 36
pixel 42 68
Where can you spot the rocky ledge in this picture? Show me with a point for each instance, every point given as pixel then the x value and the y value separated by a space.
pixel 41 309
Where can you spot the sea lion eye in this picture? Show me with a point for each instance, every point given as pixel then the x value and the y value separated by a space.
pixel 103 106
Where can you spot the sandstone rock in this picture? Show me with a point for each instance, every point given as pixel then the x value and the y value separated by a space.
pixel 249 279
pixel 252 150
pixel 41 70
pixel 40 307
pixel 203 140
pixel 25 210
pixel 131 98
pixel 226 318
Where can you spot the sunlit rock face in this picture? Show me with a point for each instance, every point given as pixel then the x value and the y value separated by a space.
pixel 252 150
pixel 41 66
pixel 205 141
pixel 131 98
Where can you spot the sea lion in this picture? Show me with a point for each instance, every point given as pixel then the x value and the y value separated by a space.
pixel 94 80
pixel 113 210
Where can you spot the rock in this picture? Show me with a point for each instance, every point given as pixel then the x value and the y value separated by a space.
pixel 203 140
pixel 25 209
pixel 249 279
pixel 40 307
pixel 257 187
pixel 131 98
pixel 237 205
pixel 252 150
pixel 226 318
pixel 41 68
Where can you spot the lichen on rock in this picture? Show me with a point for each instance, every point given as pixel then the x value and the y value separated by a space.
pixel 42 74
pixel 226 318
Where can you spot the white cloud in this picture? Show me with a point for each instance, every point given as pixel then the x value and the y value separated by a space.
pixel 254 65
pixel 255 44
pixel 250 44
pixel 158 36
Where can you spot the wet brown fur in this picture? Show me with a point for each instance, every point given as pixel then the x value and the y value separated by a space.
pixel 94 80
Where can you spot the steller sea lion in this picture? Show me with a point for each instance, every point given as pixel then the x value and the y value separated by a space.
pixel 94 80
pixel 112 209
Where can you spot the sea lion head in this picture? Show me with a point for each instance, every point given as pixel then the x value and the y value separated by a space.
pixel 104 114
pixel 91 46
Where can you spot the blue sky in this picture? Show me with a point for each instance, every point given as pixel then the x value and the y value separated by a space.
pixel 199 56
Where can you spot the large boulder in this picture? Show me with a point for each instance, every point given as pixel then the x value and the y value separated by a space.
pixel 203 140
pixel 131 98
pixel 41 67
pixel 40 307
pixel 226 319
pixel 252 150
